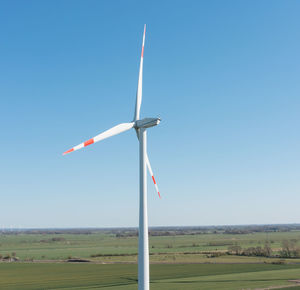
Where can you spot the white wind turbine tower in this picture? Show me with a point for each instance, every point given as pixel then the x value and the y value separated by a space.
pixel 140 126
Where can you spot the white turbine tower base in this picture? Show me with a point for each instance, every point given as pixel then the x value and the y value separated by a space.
pixel 141 130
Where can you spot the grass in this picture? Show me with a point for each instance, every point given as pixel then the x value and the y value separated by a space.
pixel 121 276
pixel 246 280
pixel 175 261
pixel 162 248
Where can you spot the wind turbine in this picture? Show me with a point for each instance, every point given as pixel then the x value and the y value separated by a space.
pixel 140 126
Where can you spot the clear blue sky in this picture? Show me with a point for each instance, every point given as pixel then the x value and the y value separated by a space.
pixel 222 75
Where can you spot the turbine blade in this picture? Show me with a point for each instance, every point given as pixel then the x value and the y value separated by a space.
pixel 151 173
pixel 140 83
pixel 149 166
pixel 106 134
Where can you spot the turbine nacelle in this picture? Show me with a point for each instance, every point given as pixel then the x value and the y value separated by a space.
pixel 146 123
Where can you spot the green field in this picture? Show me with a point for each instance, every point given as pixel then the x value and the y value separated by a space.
pixel 105 247
pixel 121 276
pixel 179 260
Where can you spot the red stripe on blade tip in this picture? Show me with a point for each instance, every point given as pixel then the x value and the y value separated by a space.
pixel 70 150
pixel 159 194
pixel 88 142
pixel 153 179
pixel 143 51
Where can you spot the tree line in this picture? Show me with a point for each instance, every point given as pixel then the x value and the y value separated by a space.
pixel 289 249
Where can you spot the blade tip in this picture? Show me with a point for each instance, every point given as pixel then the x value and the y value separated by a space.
pixel 68 151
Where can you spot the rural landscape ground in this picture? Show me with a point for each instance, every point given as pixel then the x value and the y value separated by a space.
pixel 237 257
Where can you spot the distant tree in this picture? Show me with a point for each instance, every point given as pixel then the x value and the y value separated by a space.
pixel 267 249
pixel 258 251
pixel 297 252
pixel 255 251
pixel 6 257
pixel 289 249
pixel 236 250
pixel 286 249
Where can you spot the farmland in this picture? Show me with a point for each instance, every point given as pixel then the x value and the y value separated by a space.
pixel 122 276
pixel 209 258
pixel 166 246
